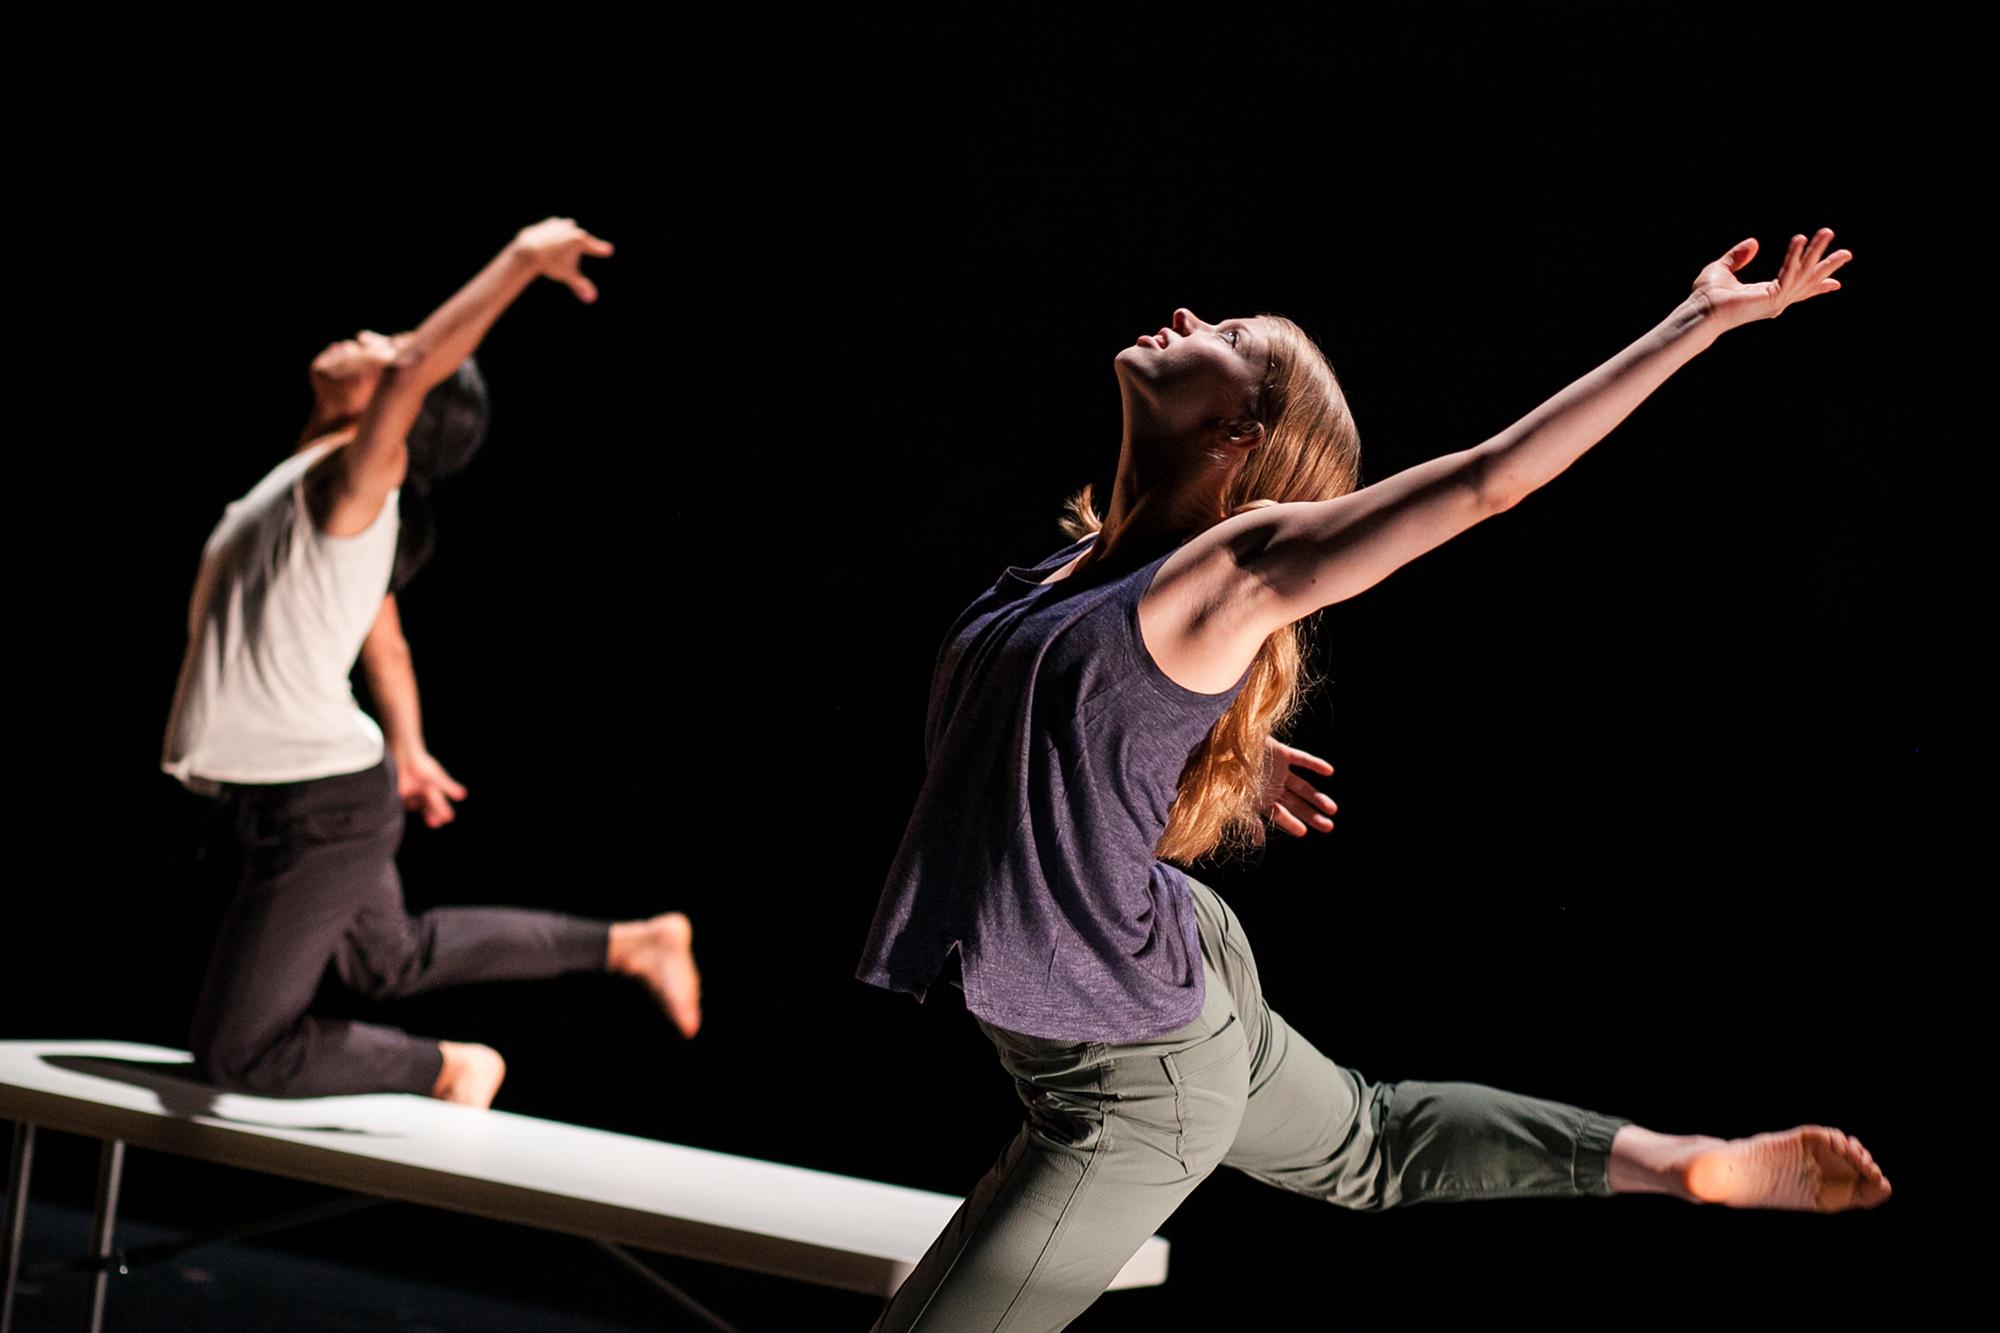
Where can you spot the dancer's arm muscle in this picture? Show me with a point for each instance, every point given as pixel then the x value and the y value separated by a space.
pixel 1300 557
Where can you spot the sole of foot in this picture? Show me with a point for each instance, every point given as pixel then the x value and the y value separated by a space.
pixel 1812 1168
pixel 661 954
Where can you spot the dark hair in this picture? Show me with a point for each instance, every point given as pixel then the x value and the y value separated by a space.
pixel 443 439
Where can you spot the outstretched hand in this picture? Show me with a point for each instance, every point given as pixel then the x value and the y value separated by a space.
pixel 556 247
pixel 1290 802
pixel 1806 273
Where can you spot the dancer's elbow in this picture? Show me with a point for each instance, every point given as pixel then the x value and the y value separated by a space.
pixel 1494 486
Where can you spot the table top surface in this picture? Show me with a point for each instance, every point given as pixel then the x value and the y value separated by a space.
pixel 379 1142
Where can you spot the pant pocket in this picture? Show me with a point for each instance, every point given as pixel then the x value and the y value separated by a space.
pixel 1060 1083
pixel 1211 1088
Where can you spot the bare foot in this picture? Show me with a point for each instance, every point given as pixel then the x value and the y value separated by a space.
pixel 660 952
pixel 471 1074
pixel 1812 1168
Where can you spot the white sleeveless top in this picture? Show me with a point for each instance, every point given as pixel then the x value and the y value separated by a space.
pixel 279 613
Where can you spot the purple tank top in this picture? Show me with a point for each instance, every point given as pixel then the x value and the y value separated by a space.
pixel 1054 744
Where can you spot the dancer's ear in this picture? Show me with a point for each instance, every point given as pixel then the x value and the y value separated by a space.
pixel 1242 433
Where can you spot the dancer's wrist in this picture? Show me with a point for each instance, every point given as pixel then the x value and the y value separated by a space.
pixel 1695 323
pixel 403 749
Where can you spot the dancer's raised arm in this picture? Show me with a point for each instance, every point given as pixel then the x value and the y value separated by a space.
pixel 360 476
pixel 1304 556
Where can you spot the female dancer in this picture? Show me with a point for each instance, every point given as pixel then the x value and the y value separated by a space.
pixel 296 582
pixel 1109 709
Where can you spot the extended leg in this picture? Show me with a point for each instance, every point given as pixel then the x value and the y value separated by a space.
pixel 388 952
pixel 1324 1131
pixel 1317 1129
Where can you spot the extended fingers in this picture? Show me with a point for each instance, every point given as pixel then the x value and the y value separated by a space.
pixel 1298 806
pixel 1812 274
pixel 1808 258
pixel 1830 263
pixel 1315 811
pixel 1293 755
pixel 437 810
pixel 572 274
pixel 1298 786
pixel 1791 261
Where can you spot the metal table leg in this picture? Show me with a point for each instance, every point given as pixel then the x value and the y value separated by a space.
pixel 110 1167
pixel 708 1317
pixel 19 1164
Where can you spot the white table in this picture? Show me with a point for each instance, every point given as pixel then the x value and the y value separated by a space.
pixel 838 1231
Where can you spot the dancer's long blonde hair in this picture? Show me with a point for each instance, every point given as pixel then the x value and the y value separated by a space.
pixel 1310 451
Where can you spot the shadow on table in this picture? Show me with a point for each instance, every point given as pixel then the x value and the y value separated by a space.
pixel 182 1095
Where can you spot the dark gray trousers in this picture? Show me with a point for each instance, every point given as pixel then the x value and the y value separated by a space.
pixel 313 868
pixel 1118 1133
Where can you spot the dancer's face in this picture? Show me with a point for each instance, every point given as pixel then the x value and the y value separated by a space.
pixel 345 373
pixel 1194 371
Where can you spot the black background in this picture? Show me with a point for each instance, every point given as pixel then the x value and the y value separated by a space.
pixel 1654 792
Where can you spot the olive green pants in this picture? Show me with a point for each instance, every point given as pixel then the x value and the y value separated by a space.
pixel 1118 1133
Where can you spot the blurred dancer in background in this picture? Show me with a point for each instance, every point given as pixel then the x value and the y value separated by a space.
pixel 297 581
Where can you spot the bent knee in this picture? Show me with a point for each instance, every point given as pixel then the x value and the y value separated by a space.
pixel 235 1067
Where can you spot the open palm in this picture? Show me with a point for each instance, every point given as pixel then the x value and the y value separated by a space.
pixel 1291 803
pixel 1806 273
